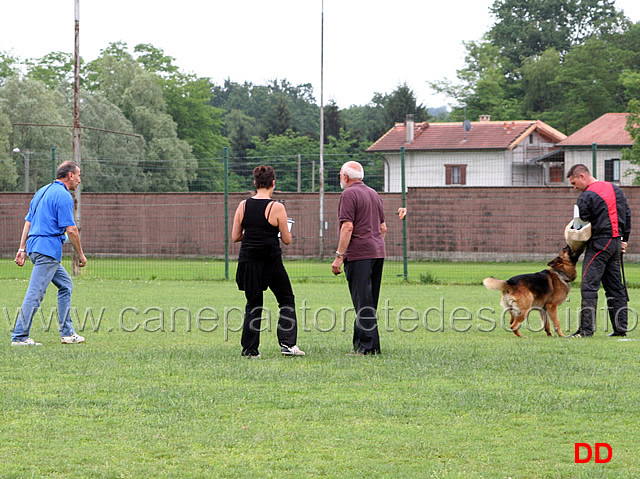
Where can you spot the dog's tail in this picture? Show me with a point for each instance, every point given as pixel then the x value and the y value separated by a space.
pixel 493 283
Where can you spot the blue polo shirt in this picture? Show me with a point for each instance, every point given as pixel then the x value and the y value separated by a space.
pixel 50 212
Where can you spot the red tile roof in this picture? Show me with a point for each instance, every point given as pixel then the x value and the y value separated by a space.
pixel 608 130
pixel 493 135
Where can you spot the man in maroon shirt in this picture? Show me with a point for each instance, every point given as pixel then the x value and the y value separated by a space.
pixel 361 249
pixel 605 206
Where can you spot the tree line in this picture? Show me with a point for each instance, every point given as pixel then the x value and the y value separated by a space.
pixel 184 122
pixel 564 62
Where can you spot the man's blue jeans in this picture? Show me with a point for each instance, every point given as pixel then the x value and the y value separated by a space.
pixel 45 270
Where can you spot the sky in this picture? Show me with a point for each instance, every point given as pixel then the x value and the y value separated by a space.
pixel 369 46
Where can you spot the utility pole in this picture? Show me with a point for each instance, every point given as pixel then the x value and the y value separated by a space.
pixel 77 152
pixel 321 166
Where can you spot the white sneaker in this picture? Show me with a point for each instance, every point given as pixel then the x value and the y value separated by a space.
pixel 73 339
pixel 291 351
pixel 26 342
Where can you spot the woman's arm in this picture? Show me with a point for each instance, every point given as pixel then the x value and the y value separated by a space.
pixel 237 232
pixel 279 214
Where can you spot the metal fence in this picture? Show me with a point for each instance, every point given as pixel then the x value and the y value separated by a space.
pixel 296 172
pixel 166 219
pixel 164 223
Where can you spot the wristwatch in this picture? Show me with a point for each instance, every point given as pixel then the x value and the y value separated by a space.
pixel 21 250
pixel 339 254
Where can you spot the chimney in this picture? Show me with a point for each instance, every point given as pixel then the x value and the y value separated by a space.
pixel 410 128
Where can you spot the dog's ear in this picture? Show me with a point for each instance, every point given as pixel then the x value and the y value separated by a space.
pixel 555 261
pixel 576 256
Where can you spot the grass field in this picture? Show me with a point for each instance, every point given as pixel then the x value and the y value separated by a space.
pixel 207 269
pixel 152 394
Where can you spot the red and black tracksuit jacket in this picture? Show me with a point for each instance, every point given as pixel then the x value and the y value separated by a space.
pixel 605 206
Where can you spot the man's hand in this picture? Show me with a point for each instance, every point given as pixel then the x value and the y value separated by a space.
pixel 402 212
pixel 337 264
pixel 82 260
pixel 624 247
pixel 21 256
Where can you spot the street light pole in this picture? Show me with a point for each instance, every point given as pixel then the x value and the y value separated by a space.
pixel 25 155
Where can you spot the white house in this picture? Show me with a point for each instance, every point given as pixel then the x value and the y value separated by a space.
pixel 610 138
pixel 482 153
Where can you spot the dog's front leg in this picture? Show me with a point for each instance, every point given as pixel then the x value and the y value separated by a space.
pixel 516 322
pixel 553 312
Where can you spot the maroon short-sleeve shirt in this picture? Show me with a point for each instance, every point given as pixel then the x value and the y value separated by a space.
pixel 362 206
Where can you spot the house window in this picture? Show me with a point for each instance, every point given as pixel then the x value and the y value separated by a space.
pixel 612 170
pixel 455 174
pixel 556 173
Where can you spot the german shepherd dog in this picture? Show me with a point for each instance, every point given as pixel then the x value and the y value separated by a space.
pixel 544 291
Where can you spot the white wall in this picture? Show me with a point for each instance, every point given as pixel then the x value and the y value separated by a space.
pixel 484 168
pixel 573 157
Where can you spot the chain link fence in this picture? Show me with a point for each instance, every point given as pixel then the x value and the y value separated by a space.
pixel 171 220
pixel 166 219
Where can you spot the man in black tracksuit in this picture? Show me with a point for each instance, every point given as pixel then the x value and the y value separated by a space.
pixel 605 206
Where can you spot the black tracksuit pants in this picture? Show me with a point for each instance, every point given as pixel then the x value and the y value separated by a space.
pixel 602 265
pixel 287 320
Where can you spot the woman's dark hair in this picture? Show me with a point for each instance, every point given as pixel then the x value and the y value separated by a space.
pixel 263 176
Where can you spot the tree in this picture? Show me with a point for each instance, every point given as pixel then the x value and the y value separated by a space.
pixel 55 69
pixel 590 81
pixel 279 119
pixel 8 169
pixel 333 123
pixel 199 123
pixel 538 76
pixel 281 151
pixel 398 104
pixel 169 163
pixel 365 123
pixel 112 72
pixel 154 60
pixel 483 88
pixel 110 162
pixel 526 28
pixel 240 129
pixel 29 101
pixel 8 67
pixel 633 127
pixel 276 107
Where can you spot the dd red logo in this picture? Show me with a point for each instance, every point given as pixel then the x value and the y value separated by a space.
pixel 589 453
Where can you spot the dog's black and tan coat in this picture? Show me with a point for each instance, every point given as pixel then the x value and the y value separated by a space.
pixel 543 291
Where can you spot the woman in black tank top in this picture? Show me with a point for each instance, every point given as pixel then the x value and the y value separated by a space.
pixel 258 223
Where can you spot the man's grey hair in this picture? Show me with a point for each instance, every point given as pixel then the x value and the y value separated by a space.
pixel 65 168
pixel 353 170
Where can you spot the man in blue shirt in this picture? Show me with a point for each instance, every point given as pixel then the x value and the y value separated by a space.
pixel 50 216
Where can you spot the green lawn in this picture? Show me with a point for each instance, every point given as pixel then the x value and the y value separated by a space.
pixel 153 395
pixel 208 269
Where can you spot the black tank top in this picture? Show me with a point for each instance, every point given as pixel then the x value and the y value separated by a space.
pixel 260 240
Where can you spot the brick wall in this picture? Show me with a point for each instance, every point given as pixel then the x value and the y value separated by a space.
pixel 443 223
pixel 184 224
pixel 499 223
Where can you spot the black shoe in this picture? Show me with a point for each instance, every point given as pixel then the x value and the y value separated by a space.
pixel 251 354
pixel 579 334
pixel 617 334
